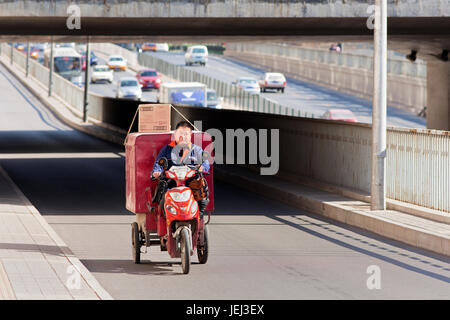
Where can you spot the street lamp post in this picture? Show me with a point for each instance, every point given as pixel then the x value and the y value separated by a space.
pixel 378 183
pixel 52 67
pixel 27 65
pixel 86 82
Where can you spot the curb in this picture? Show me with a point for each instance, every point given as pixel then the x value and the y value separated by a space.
pixel 405 233
pixel 84 272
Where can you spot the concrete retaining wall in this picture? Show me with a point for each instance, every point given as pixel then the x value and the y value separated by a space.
pixel 403 92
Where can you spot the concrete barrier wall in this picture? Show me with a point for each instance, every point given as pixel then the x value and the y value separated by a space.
pixel 339 153
pixel 403 92
pixel 69 93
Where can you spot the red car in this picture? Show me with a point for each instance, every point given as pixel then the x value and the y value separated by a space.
pixel 340 114
pixel 149 79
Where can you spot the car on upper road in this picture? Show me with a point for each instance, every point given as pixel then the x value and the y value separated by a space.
pixel 162 47
pixel 212 100
pixel 102 73
pixel 80 48
pixel 340 114
pixel 93 58
pixel 247 84
pixel 37 51
pixel 117 62
pixel 196 54
pixel 128 88
pixel 20 46
pixel 272 81
pixel 149 79
pixel 65 45
pixel 148 46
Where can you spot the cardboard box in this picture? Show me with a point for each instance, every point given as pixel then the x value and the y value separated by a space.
pixel 154 118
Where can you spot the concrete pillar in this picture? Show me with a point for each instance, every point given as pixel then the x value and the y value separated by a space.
pixel 438 95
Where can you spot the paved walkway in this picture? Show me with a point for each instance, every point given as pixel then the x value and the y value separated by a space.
pixel 34 262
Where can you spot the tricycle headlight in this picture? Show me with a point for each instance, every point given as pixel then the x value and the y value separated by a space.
pixel 171 209
pixel 194 207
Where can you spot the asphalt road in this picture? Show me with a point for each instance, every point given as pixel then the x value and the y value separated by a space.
pixel 261 249
pixel 300 95
pixel 109 89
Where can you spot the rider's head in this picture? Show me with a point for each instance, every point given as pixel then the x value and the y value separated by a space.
pixel 183 132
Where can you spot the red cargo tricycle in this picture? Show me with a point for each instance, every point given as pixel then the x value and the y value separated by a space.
pixel 176 227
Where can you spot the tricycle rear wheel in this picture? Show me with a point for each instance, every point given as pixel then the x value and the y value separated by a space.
pixel 202 251
pixel 136 243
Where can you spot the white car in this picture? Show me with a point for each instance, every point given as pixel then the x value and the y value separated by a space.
pixel 162 47
pixel 129 88
pixel 80 47
pixel 102 73
pixel 65 45
pixel 272 81
pixel 248 85
pixel 117 62
pixel 196 54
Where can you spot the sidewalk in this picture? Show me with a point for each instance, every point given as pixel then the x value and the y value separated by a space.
pixel 410 229
pixel 34 262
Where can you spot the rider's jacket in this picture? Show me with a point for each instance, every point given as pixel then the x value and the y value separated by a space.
pixel 177 156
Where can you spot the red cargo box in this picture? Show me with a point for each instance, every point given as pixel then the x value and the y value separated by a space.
pixel 141 152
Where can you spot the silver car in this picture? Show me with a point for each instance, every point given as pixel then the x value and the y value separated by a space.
pixel 248 84
pixel 129 88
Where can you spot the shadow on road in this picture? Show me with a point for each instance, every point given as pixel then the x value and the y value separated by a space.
pixel 129 267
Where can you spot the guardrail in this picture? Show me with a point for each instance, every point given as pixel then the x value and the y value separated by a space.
pixel 66 91
pixel 395 66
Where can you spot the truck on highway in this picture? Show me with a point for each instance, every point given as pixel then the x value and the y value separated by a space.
pixel 66 62
pixel 183 93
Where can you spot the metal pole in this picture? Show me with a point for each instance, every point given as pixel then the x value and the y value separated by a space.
pixel 27 66
pixel 12 52
pixel 86 82
pixel 51 67
pixel 378 183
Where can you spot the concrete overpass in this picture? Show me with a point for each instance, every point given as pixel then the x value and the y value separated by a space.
pixel 227 19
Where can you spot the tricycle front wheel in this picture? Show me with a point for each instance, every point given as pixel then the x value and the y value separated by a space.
pixel 136 243
pixel 185 250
